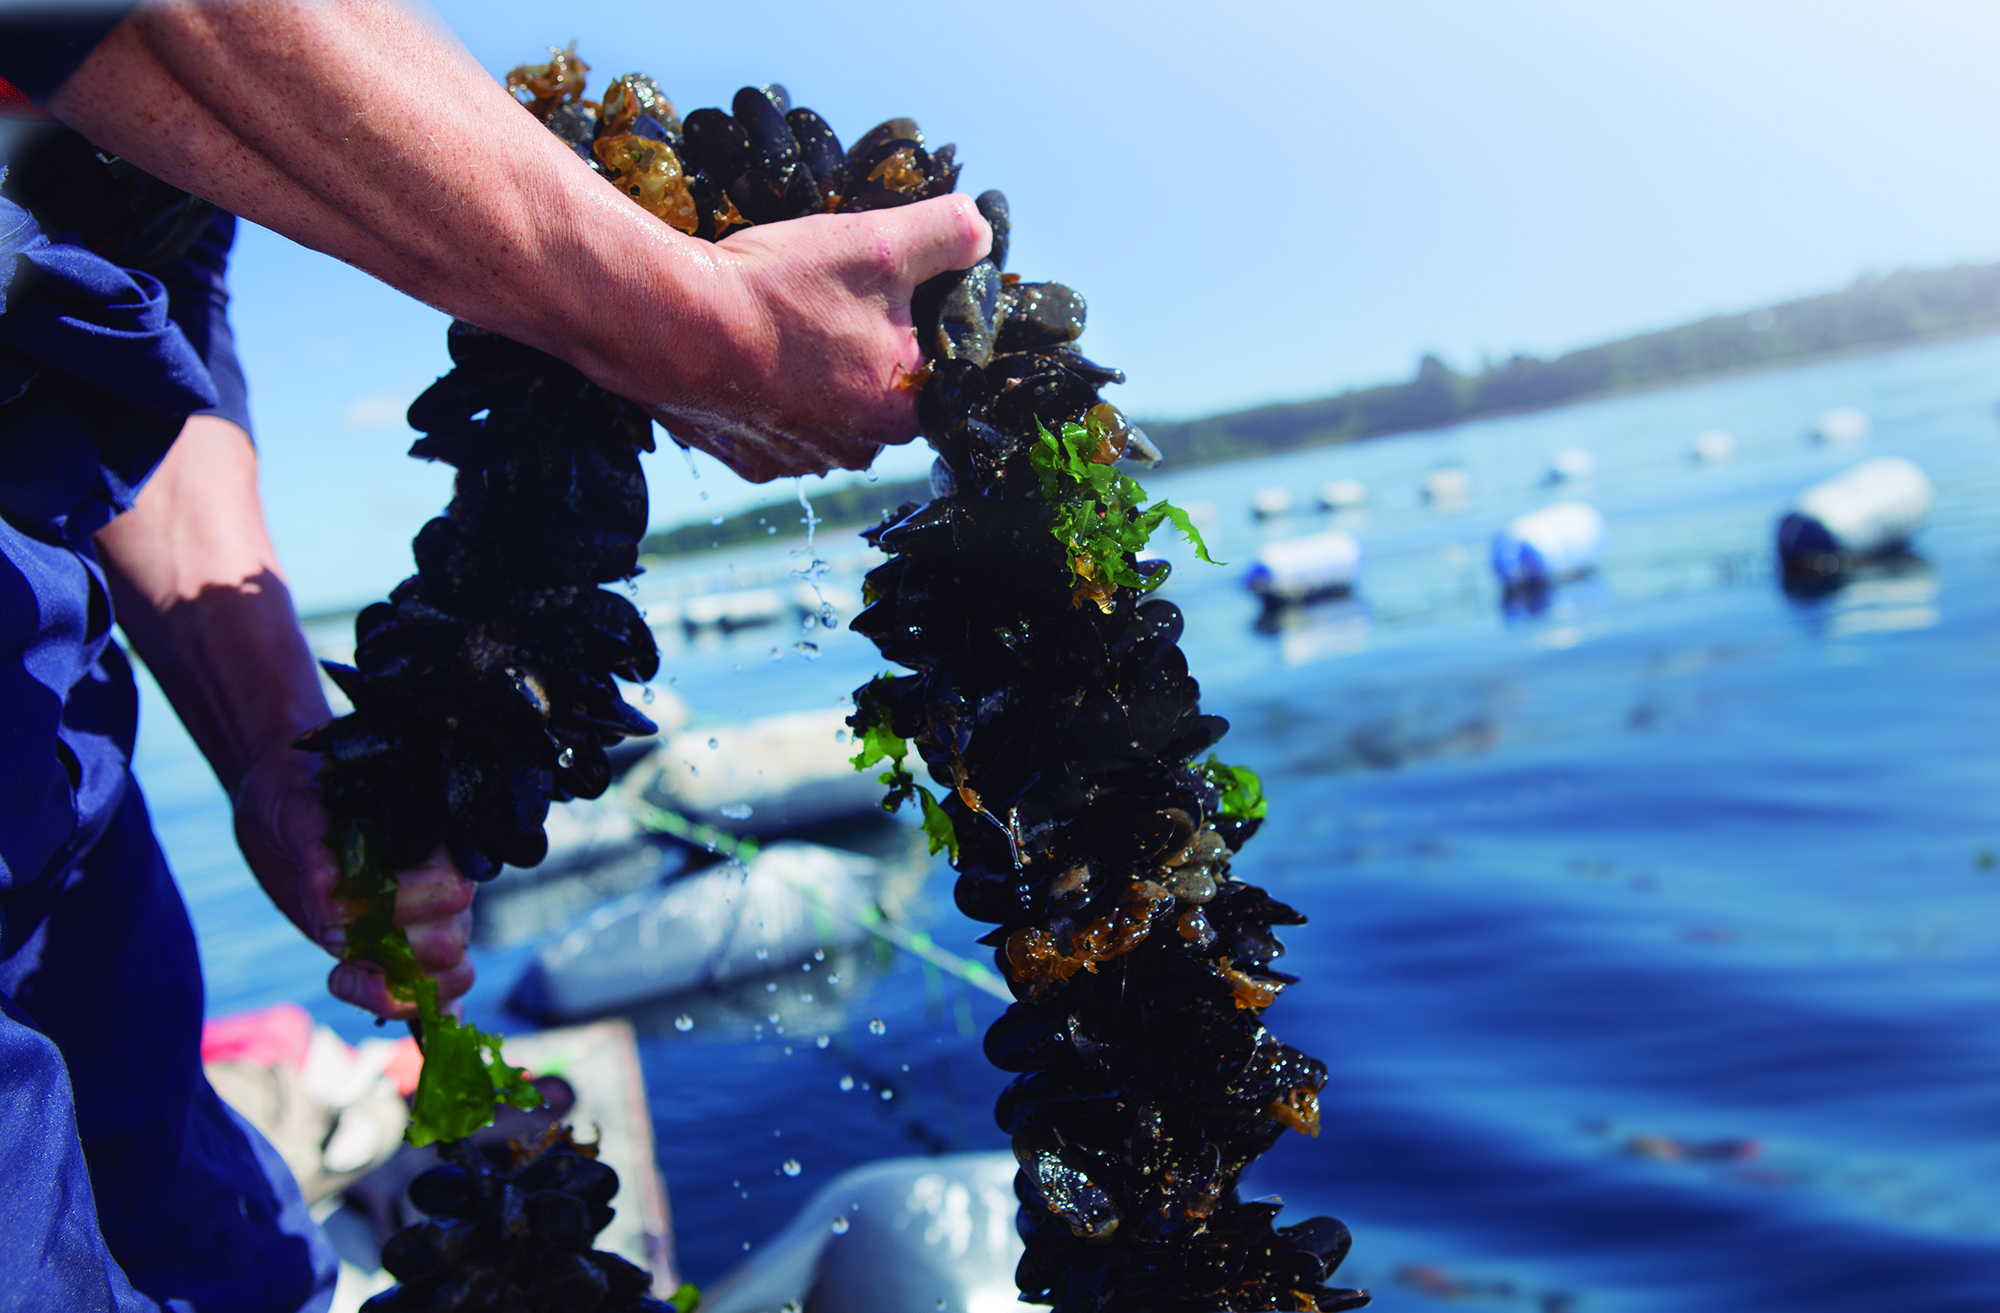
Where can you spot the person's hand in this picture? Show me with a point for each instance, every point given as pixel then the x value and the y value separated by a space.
pixel 281 828
pixel 802 359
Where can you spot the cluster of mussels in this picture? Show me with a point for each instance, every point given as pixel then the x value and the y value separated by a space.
pixel 483 687
pixel 1050 699
pixel 515 1238
pixel 1056 709
pixel 715 172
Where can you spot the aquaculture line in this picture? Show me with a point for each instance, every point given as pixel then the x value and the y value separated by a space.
pixel 1049 702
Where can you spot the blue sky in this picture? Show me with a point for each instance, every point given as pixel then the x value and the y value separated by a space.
pixel 1261 201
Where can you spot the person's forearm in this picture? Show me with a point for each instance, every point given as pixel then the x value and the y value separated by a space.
pixel 197 589
pixel 352 127
pixel 355 128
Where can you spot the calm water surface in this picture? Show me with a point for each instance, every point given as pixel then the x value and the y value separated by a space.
pixel 1655 939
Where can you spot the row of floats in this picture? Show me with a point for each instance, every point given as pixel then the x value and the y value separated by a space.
pixel 1869 511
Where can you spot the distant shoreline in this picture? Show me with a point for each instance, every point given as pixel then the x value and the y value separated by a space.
pixel 1904 309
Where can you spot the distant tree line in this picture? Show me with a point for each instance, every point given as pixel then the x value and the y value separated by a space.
pixel 1875 312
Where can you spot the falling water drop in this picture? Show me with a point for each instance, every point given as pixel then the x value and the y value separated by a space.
pixel 871 476
pixel 840 1226
pixel 715 743
pixel 827 617
pixel 648 695
pixel 792 1168
pixel 810 651
pixel 737 811
pixel 846 1083
pixel 716 520
pixel 819 955
pixel 888 1094
pixel 684 1023
pixel 763 955
pixel 704 494
pixel 876 1027
pixel 566 758
pixel 771 987
pixel 822 1041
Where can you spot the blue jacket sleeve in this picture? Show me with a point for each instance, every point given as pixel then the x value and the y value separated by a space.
pixel 41 44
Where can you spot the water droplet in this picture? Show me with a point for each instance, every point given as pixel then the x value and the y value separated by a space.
pixel 822 1041
pixel 846 1083
pixel 771 987
pixel 674 681
pixel 715 743
pixel 806 966
pixel 806 997
pixel 777 654
pixel 840 1226
pixel 704 494
pixel 648 695
pixel 876 1027
pixel 940 1305
pixel 819 955
pixel 684 1023
pixel 716 520
pixel 833 978
pixel 566 758
pixel 828 618
pixel 791 1167
pixel 871 476
pixel 693 769
pixel 737 811
pixel 810 651
pixel 763 955
pixel 774 1018
pixel 888 1094
pixel 906 1066
pixel 772 529
pixel 746 1243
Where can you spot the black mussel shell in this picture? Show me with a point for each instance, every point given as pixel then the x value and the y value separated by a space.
pixel 716 145
pixel 771 139
pixel 993 208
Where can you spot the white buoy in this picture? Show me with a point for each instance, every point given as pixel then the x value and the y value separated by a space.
pixel 1546 546
pixel 1714 446
pixel 1842 427
pixel 905 1235
pixel 1270 503
pixel 1342 494
pixel 1447 485
pixel 1299 569
pixel 1570 465
pixel 1872 508
pixel 725 923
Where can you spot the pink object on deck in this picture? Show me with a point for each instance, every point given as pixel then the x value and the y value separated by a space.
pixel 276 1036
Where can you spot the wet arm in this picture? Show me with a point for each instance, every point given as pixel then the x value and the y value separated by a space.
pixel 197 589
pixel 360 130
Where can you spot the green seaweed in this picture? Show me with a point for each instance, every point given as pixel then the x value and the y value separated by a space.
pixel 1242 791
pixel 464 1075
pixel 1098 512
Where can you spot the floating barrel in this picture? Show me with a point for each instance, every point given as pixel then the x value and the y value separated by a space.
pixel 1570 465
pixel 1714 446
pixel 1300 569
pixel 1842 427
pixel 725 923
pixel 1447 485
pixel 1342 494
pixel 1871 509
pixel 1270 503
pixel 1546 546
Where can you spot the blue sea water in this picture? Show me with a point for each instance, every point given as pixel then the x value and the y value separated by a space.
pixel 1655 938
